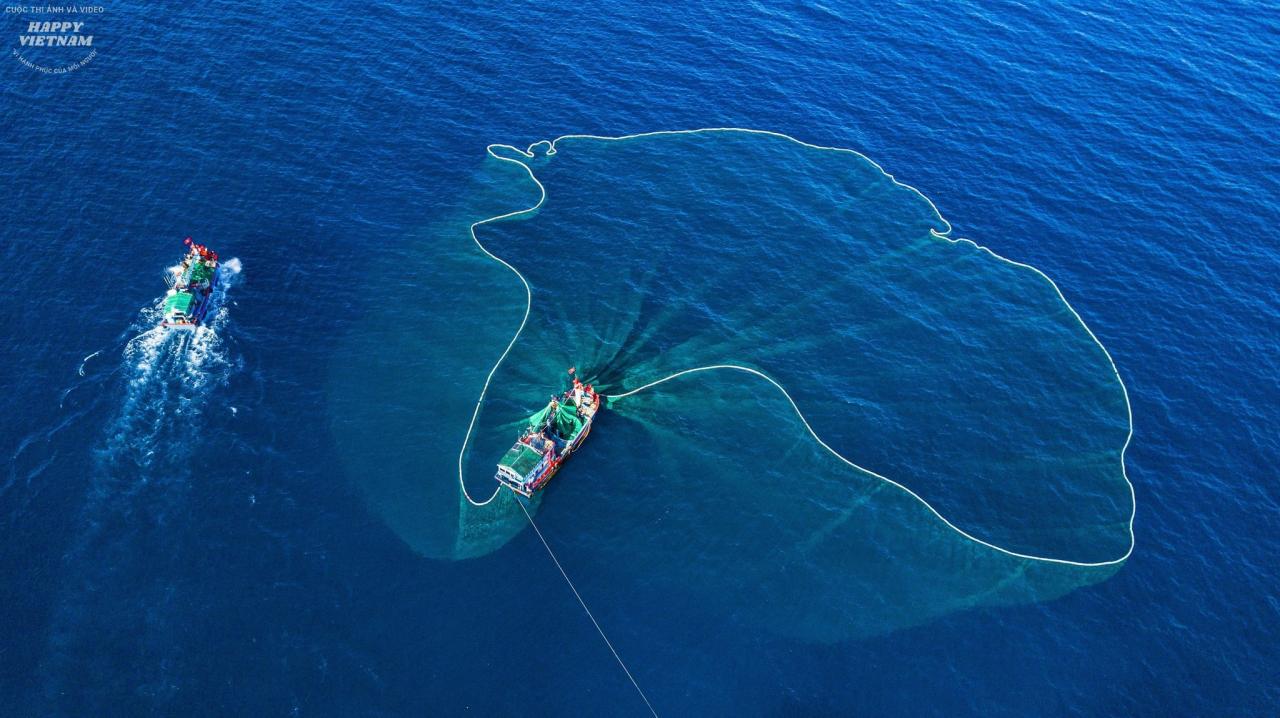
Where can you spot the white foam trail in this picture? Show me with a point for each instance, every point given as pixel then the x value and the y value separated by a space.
pixel 84 361
pixel 169 370
pixel 943 233
pixel 169 375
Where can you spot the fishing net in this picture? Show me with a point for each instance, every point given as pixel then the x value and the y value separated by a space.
pixel 817 394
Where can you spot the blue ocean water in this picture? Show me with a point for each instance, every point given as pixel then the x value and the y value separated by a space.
pixel 264 536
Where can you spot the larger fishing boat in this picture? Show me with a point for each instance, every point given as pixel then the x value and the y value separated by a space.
pixel 191 286
pixel 550 437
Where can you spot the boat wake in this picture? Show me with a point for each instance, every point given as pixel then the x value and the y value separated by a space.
pixel 168 371
pixel 142 468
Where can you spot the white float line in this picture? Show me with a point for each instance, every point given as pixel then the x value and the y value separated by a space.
pixel 528 304
pixel 583 603
pixel 944 234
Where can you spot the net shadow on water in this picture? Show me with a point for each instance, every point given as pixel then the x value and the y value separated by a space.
pixel 770 534
pixel 403 384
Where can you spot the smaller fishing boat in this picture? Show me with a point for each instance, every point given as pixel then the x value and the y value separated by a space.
pixel 191 286
pixel 550 437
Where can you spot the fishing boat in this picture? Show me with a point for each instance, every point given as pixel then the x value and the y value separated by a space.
pixel 550 437
pixel 191 286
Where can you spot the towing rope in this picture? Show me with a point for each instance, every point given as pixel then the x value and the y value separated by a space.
pixel 583 603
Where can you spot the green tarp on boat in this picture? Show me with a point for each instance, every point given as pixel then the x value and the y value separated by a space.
pixel 199 272
pixel 180 302
pixel 567 424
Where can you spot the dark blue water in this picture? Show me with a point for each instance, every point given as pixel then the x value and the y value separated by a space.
pixel 267 522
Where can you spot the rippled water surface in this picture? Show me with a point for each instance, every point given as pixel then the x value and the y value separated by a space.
pixel 265 517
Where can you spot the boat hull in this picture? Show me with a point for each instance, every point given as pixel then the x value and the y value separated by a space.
pixel 527 486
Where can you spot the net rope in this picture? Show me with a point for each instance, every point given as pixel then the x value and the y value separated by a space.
pixel 583 603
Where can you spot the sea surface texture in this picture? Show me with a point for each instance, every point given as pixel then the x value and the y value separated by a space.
pixel 890 362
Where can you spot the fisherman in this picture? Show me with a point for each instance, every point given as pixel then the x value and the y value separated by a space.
pixel 544 443
pixel 576 395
